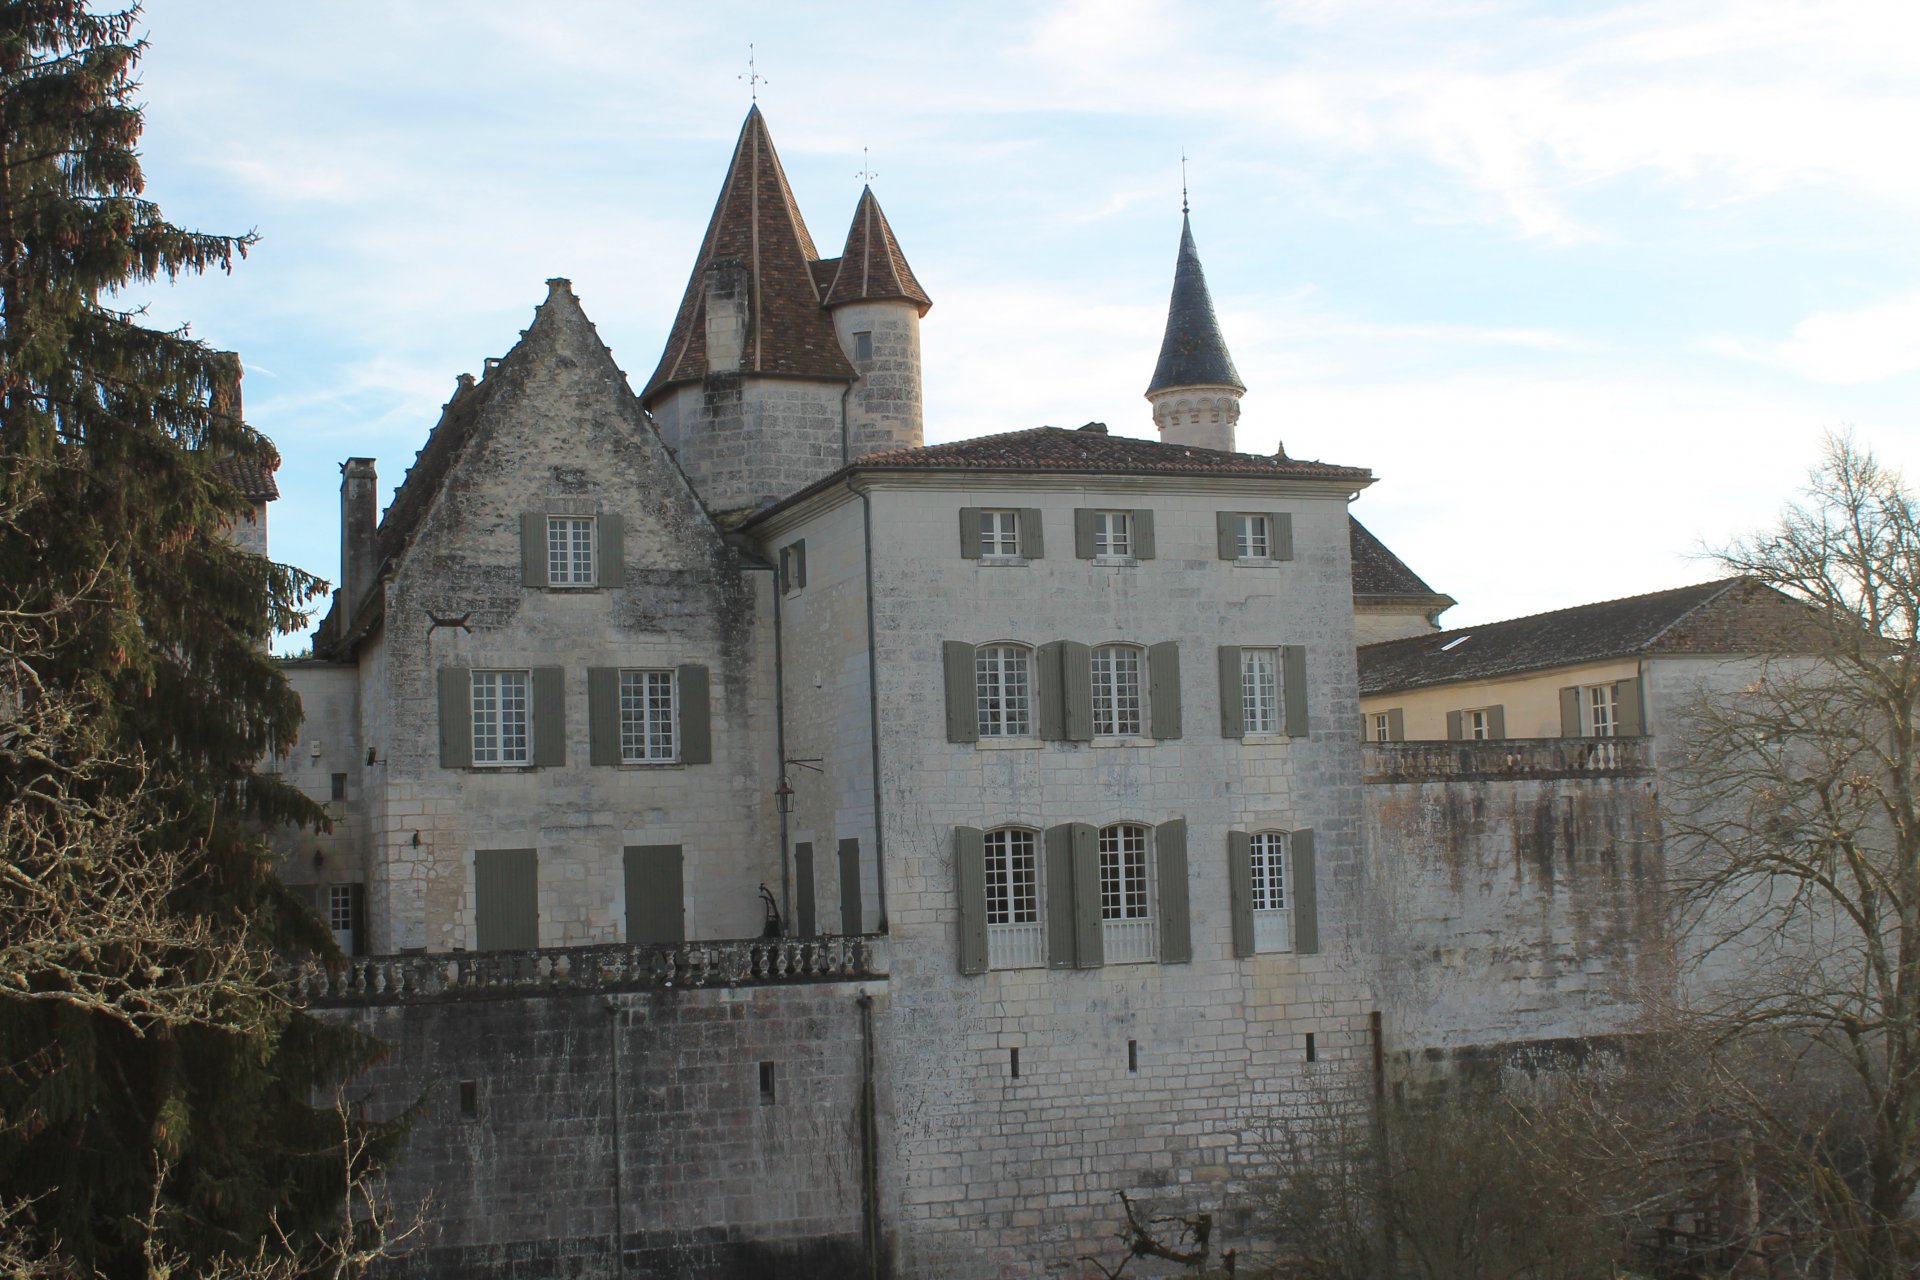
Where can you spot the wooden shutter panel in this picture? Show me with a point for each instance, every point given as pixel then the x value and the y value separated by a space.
pixel 656 893
pixel 696 714
pixel 1496 722
pixel 1076 684
pixel 1628 718
pixel 1293 688
pixel 1143 548
pixel 1281 523
pixel 851 917
pixel 970 543
pixel 456 717
pixel 533 549
pixel 1233 711
pixel 1456 726
pixel 963 713
pixel 1227 531
pixel 1570 712
pixel 1089 942
pixel 612 569
pixel 359 908
pixel 1083 532
pixel 1396 725
pixel 1049 718
pixel 549 717
pixel 800 562
pixel 803 913
pixel 1061 935
pixel 1033 543
pixel 506 900
pixel 1163 689
pixel 1240 890
pixel 1306 906
pixel 970 880
pixel 1170 870
pixel 603 715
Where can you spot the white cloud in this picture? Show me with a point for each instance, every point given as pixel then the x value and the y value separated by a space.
pixel 1843 347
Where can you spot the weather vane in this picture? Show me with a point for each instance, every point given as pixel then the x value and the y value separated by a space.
pixel 753 77
pixel 1183 180
pixel 866 173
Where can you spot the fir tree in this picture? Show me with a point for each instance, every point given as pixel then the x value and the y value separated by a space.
pixel 155 1084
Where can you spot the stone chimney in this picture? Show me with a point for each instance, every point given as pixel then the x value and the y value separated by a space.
pixel 359 517
pixel 726 316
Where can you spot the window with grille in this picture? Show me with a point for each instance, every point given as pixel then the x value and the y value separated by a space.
pixel 1477 724
pixel 1272 917
pixel 502 729
pixel 570 551
pixel 1126 900
pixel 1255 536
pixel 1116 691
pixel 1002 690
pixel 648 719
pixel 340 908
pixel 1602 715
pixel 1260 690
pixel 1382 727
pixel 1016 938
pixel 999 533
pixel 1113 533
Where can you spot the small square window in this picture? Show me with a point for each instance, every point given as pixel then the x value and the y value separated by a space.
pixel 862 347
pixel 502 717
pixel 999 534
pixel 1255 536
pixel 570 551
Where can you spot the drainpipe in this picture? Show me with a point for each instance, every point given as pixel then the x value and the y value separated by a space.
pixel 869 1144
pixel 873 707
pixel 613 1084
pixel 780 745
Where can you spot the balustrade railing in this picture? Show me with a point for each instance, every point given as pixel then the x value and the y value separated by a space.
pixel 1507 758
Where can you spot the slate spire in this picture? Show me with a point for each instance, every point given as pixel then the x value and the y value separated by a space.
pixel 1192 354
pixel 872 268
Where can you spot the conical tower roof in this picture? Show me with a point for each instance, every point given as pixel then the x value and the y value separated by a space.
pixel 871 267
pixel 756 223
pixel 1193 354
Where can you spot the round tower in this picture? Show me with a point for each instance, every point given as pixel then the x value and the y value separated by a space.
pixel 876 305
pixel 1195 390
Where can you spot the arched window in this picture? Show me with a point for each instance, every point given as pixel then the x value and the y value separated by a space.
pixel 1116 691
pixel 1003 690
pixel 1272 907
pixel 1016 935
pixel 1126 894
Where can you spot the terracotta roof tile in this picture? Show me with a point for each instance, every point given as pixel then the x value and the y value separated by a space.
pixel 1094 452
pixel 1377 572
pixel 253 477
pixel 872 267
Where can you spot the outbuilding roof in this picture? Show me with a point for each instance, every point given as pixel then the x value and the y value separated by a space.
pixel 1090 450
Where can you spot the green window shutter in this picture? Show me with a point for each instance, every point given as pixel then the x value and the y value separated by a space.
pixel 1233 712
pixel 612 569
pixel 1163 689
pixel 1089 941
pixel 1076 683
pixel 1033 542
pixel 1293 688
pixel 803 922
pixel 1306 905
pixel 1061 939
pixel 456 717
pixel 533 549
pixel 1628 720
pixel 1456 726
pixel 656 893
pixel 1496 722
pixel 1570 712
pixel 851 918
pixel 549 717
pixel 359 919
pixel 1281 523
pixel 603 715
pixel 1396 725
pixel 800 562
pixel 1170 868
pixel 970 879
pixel 1049 719
pixel 1083 532
pixel 1227 527
pixel 506 900
pixel 970 546
pixel 1240 890
pixel 963 711
pixel 1143 534
pixel 696 715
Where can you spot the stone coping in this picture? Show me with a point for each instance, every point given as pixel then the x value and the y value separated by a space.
pixel 1507 758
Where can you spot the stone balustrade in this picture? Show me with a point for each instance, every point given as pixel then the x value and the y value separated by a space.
pixel 1507 758
pixel 366 980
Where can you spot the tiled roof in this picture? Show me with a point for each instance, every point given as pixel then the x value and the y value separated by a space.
pixel 253 477
pixel 1378 573
pixel 1732 615
pixel 1091 451
pixel 757 224
pixel 872 266
pixel 1193 353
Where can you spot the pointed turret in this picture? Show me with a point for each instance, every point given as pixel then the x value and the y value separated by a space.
pixel 1195 390
pixel 872 268
pixel 877 303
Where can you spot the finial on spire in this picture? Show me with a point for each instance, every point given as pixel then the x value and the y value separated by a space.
pixel 1183 181
pixel 866 173
pixel 753 77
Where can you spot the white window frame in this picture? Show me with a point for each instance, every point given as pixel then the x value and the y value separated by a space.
pixel 1129 932
pixel 1382 727
pixel 573 560
pixel 1259 691
pixel 646 735
pixel 1016 921
pixel 502 708
pixel 1270 856
pixel 1000 534
pixel 1476 725
pixel 1003 691
pixel 1253 535
pixel 1601 709
pixel 340 922
pixel 1113 535
pixel 1117 676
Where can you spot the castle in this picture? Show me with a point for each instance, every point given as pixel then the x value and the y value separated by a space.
pixel 785 848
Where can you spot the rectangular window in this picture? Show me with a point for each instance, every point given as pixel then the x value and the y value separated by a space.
pixel 1272 916
pixel 1001 691
pixel 502 724
pixel 863 346
pixel 999 534
pixel 1113 533
pixel 570 551
pixel 1382 727
pixel 340 909
pixel 648 719
pixel 1116 691
pixel 1016 938
pixel 1255 537
pixel 1602 718
pixel 1478 724
pixel 1260 690
pixel 1126 914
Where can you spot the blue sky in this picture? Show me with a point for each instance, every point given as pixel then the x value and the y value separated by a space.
pixel 1583 284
